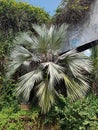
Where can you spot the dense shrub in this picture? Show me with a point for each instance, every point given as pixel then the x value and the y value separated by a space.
pixel 23 120
pixel 80 115
pixel 19 16
pixel 7 93
pixel 10 120
pixel 15 17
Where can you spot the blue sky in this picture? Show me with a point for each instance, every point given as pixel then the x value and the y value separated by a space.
pixel 48 5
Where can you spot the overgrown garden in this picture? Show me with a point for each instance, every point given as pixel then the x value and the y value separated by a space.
pixel 42 88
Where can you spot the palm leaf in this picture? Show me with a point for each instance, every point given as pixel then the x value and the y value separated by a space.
pixel 46 97
pixel 51 39
pixel 75 90
pixel 42 37
pixel 77 62
pixel 54 71
pixel 12 67
pixel 19 56
pixel 57 36
pixel 27 82
pixel 46 90
pixel 26 39
pixel 75 81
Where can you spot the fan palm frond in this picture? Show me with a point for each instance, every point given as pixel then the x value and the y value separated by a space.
pixel 46 96
pixel 57 36
pixel 75 90
pixel 46 90
pixel 12 67
pixel 51 39
pixel 77 62
pixel 77 84
pixel 54 71
pixel 19 56
pixel 27 82
pixel 41 30
pixel 27 40
pixel 42 37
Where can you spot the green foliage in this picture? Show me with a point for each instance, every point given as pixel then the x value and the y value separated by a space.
pixel 7 94
pixel 80 115
pixel 23 120
pixel 72 11
pixel 18 120
pixel 19 16
pixel 5 47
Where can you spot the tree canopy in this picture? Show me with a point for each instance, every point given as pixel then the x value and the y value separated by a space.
pixel 19 16
pixel 72 11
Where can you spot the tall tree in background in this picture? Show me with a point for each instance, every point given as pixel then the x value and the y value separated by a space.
pixel 72 11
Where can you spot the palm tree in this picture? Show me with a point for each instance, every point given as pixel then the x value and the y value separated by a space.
pixel 48 73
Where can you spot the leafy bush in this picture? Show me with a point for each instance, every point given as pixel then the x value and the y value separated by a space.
pixel 10 120
pixel 7 94
pixel 80 115
pixel 19 16
pixel 23 120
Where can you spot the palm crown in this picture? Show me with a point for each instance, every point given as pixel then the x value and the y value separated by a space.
pixel 48 73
